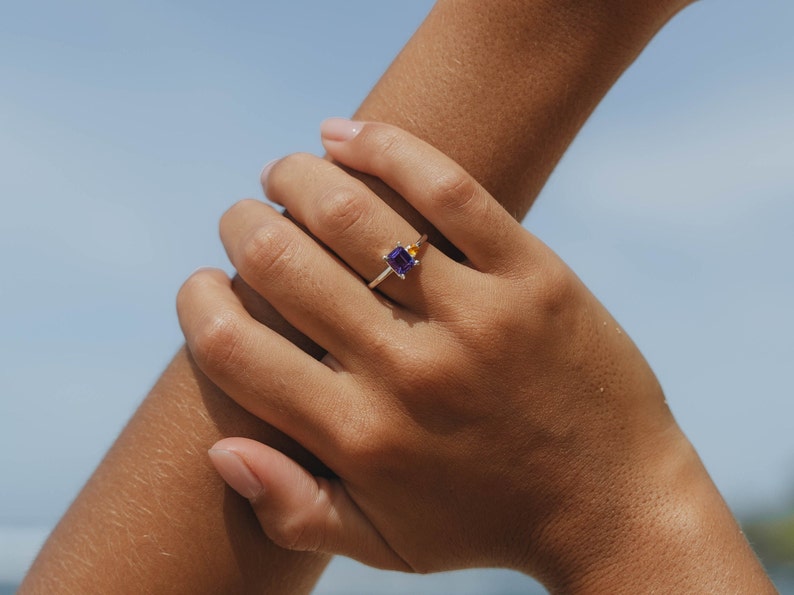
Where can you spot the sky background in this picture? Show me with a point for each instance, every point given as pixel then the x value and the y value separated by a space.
pixel 127 129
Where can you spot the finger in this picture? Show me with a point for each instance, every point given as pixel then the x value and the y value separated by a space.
pixel 310 288
pixel 258 368
pixel 441 190
pixel 297 510
pixel 344 214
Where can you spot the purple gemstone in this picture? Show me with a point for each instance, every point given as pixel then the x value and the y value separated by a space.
pixel 400 261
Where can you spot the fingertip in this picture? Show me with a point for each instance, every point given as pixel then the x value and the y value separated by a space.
pixel 198 279
pixel 195 281
pixel 265 173
pixel 240 216
pixel 210 273
pixel 244 205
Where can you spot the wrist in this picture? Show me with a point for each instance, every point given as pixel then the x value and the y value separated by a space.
pixel 665 529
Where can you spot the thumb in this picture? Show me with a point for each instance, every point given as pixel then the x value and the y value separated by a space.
pixel 297 510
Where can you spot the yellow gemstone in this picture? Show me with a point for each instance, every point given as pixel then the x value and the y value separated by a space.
pixel 412 250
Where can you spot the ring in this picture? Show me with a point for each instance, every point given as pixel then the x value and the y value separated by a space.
pixel 400 261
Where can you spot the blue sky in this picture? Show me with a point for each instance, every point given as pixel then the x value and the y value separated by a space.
pixel 125 131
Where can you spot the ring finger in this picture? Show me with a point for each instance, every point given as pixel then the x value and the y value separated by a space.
pixel 311 289
pixel 359 227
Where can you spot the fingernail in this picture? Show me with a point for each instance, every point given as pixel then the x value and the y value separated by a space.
pixel 340 129
pixel 266 171
pixel 236 473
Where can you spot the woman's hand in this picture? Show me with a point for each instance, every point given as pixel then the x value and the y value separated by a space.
pixel 485 413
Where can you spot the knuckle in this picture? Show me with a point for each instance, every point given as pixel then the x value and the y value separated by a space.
pixel 403 358
pixel 418 369
pixel 304 529
pixel 455 191
pixel 380 346
pixel 369 440
pixel 264 250
pixel 419 363
pixel 554 289
pixel 384 142
pixel 217 343
pixel 290 533
pixel 374 448
pixel 343 208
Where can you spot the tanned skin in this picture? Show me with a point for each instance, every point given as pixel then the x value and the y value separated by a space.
pixel 502 91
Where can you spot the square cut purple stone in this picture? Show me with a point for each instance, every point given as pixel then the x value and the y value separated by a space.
pixel 400 261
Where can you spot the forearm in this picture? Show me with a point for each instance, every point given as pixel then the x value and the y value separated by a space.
pixel 666 530
pixel 502 93
pixel 154 518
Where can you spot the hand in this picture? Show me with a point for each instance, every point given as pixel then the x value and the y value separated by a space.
pixel 485 413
